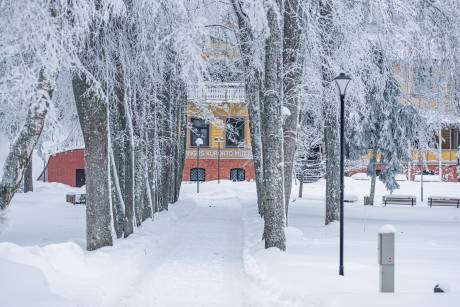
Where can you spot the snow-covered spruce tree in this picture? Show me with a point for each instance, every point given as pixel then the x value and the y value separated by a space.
pixel 389 126
pixel 41 40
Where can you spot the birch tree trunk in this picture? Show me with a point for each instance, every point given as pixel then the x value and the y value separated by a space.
pixel 272 136
pixel 291 81
pixel 21 150
pixel 92 113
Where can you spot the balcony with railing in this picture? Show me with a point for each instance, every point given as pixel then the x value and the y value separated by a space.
pixel 218 93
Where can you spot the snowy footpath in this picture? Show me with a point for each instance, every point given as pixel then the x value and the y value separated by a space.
pixel 206 251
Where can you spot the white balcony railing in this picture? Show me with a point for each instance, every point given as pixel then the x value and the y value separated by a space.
pixel 218 93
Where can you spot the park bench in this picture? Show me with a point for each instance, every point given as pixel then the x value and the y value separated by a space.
pixel 399 200
pixel 443 201
pixel 75 198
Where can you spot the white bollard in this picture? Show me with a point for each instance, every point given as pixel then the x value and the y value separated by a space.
pixel 386 251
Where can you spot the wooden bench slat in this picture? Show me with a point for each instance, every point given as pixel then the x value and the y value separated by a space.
pixel 444 201
pixel 399 200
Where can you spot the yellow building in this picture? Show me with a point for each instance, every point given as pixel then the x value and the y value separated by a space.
pixel 218 115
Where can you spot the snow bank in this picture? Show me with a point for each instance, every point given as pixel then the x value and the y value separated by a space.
pixel 24 285
pixel 401 177
pixel 351 198
pixel 428 178
pixel 360 176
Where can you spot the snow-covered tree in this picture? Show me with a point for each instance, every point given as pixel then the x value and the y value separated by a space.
pixel 38 40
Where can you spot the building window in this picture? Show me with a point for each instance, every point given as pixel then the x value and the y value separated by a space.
pixel 237 174
pixel 200 129
pixel 197 174
pixel 234 136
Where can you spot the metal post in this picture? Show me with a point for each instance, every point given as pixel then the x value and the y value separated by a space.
pixel 458 162
pixel 198 169
pixel 218 162
pixel 386 258
pixel 440 155
pixel 342 141
pixel 421 185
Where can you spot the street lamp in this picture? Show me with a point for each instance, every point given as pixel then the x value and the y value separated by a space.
pixel 198 142
pixel 342 81
pixel 218 141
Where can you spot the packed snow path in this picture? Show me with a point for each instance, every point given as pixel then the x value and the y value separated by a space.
pixel 201 265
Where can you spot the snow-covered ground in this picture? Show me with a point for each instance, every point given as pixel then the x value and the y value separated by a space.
pixel 206 251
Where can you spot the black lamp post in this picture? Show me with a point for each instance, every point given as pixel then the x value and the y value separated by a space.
pixel 218 141
pixel 198 142
pixel 342 81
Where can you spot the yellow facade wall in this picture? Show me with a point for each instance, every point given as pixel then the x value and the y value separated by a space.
pixel 217 126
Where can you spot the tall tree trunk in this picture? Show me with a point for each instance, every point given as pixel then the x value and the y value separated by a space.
pixel 182 139
pixel 272 136
pixel 331 131
pixel 92 113
pixel 28 178
pixel 254 93
pixel 332 169
pixel 21 150
pixel 291 81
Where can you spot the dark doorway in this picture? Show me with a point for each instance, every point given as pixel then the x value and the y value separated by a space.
pixel 81 179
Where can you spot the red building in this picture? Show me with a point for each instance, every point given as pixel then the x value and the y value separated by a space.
pixel 66 167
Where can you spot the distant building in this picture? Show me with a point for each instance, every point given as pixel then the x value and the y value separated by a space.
pixel 66 167
pixel 224 123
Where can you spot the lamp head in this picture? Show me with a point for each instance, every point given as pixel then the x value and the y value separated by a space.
pixel 342 81
pixel 199 142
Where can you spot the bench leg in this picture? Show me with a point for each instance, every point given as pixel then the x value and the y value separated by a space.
pixel 412 201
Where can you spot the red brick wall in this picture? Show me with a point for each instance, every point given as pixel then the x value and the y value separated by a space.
pixel 449 172
pixel 62 166
pixel 225 166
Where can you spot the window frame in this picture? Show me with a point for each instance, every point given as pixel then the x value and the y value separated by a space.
pixel 199 168
pixel 243 140
pixel 238 170
pixel 205 141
